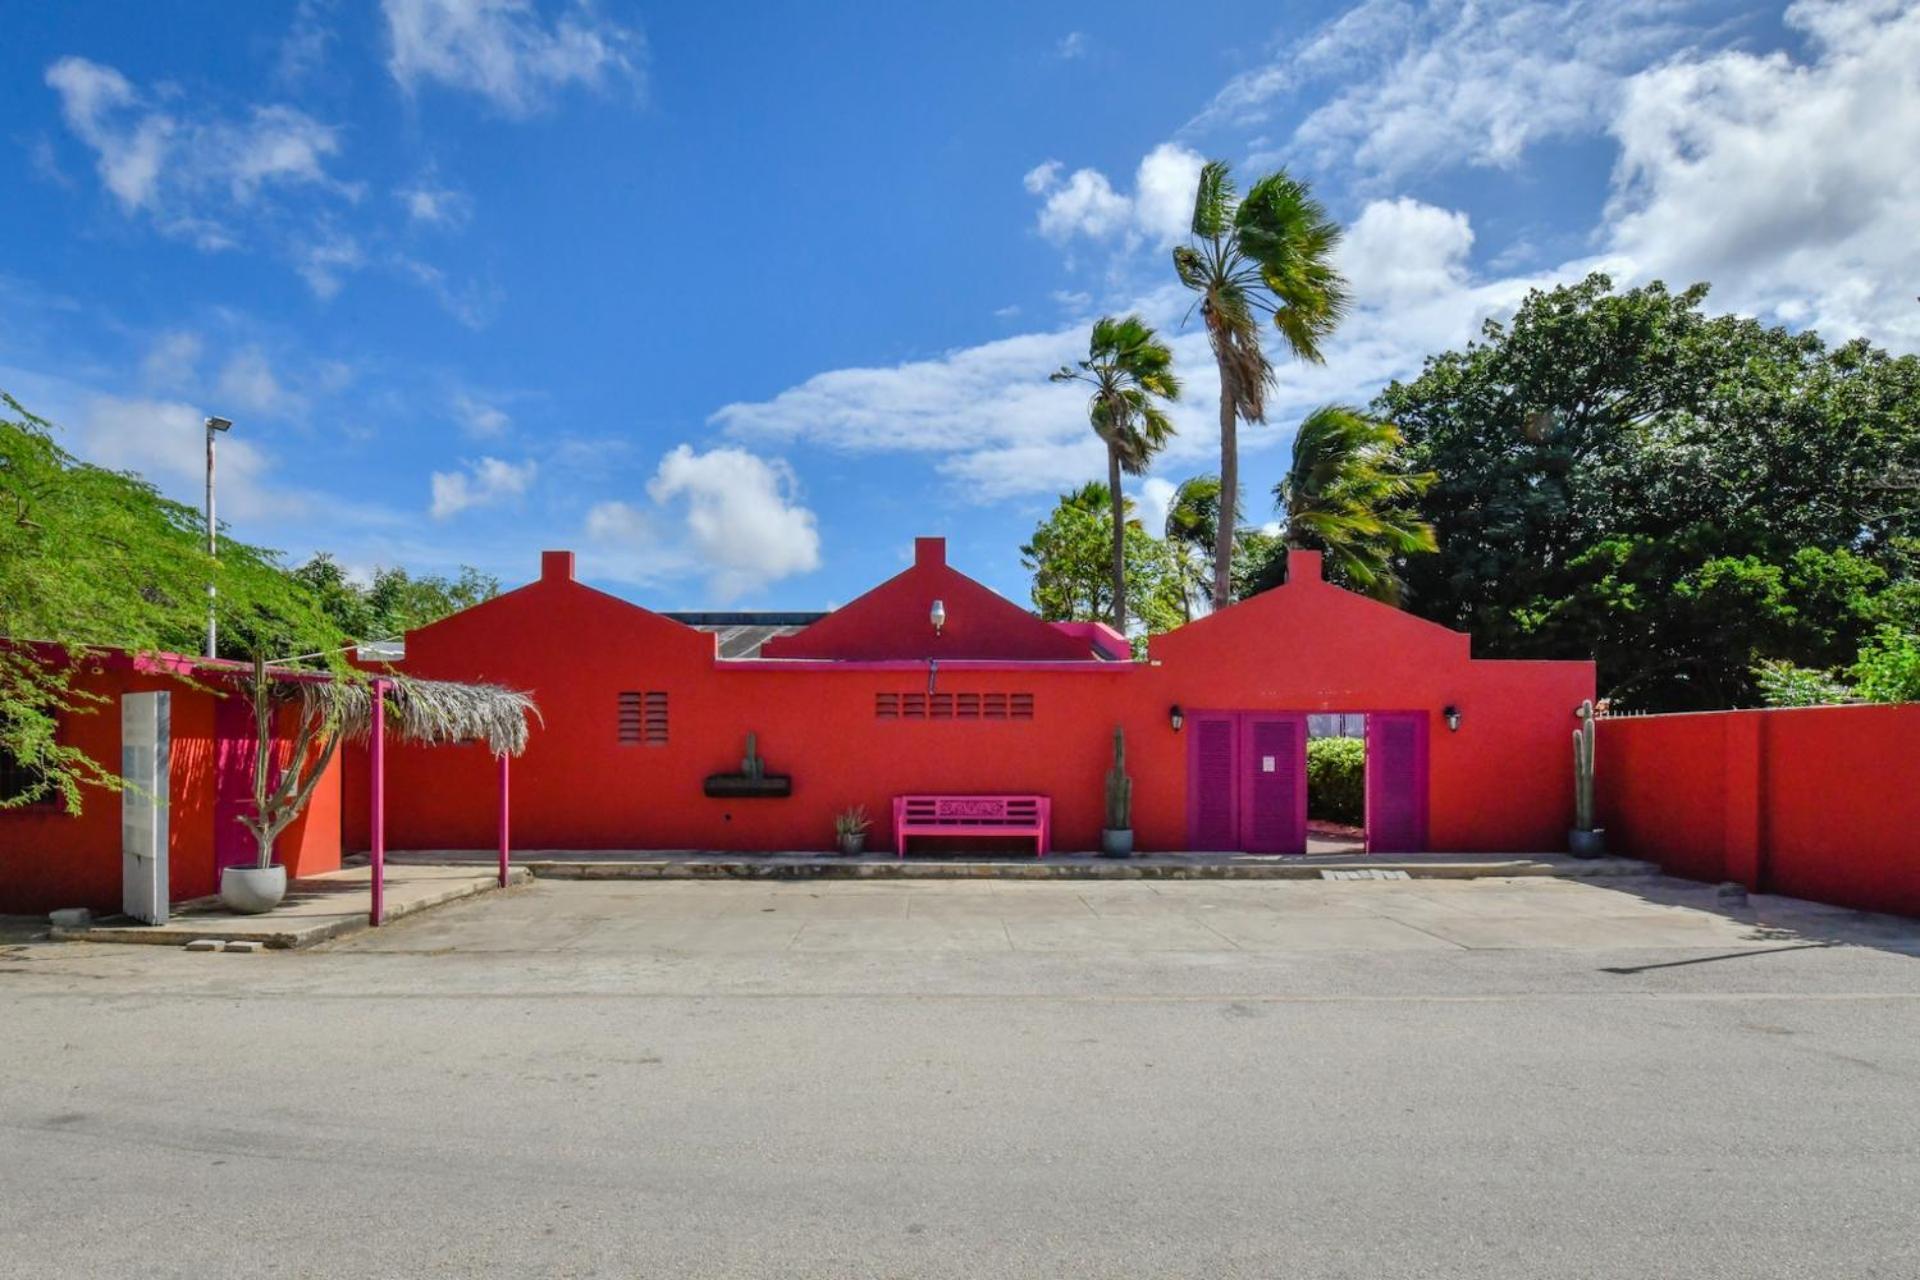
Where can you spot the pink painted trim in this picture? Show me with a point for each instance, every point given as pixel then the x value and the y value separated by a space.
pixel 1083 666
pixel 505 857
pixel 377 768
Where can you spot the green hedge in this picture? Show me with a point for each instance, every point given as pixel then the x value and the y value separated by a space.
pixel 1337 780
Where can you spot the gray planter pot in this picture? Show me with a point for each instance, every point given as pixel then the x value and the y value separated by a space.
pixel 251 890
pixel 1587 844
pixel 853 846
pixel 1116 844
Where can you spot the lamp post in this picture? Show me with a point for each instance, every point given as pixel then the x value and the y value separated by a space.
pixel 214 426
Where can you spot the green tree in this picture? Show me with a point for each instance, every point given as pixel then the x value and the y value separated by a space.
pixel 91 559
pixel 1348 493
pixel 1268 255
pixel 1068 557
pixel 1620 475
pixel 1131 373
pixel 394 602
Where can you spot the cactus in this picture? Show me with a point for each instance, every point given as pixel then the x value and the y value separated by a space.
pixel 1583 768
pixel 1119 786
pixel 752 766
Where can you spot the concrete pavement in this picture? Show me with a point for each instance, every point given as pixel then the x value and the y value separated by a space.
pixel 1491 1079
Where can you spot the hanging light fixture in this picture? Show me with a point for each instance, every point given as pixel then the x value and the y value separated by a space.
pixel 938 615
pixel 1452 713
pixel 1176 717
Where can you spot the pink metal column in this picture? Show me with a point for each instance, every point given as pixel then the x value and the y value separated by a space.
pixel 377 766
pixel 503 819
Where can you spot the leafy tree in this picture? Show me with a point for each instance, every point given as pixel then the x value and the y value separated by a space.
pixel 1068 557
pixel 1269 255
pixel 394 602
pixel 1682 496
pixel 91 559
pixel 1193 522
pixel 1131 373
pixel 1348 493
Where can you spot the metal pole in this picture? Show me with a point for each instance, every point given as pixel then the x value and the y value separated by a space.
pixel 377 766
pixel 213 638
pixel 503 820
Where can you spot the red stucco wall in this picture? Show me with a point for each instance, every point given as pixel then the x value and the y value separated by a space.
pixel 49 859
pixel 1500 783
pixel 1816 802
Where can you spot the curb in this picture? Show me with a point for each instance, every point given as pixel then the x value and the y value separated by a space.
pixel 1091 869
pixel 289 939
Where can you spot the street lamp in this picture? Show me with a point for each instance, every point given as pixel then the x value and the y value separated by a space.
pixel 214 425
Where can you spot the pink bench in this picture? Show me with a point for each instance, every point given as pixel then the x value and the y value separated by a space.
pixel 972 816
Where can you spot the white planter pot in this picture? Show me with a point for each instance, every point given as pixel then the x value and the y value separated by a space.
pixel 251 890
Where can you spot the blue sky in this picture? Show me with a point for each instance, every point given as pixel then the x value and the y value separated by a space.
pixel 736 300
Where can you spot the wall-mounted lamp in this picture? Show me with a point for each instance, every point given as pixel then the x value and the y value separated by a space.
pixel 1176 717
pixel 938 615
pixel 1452 713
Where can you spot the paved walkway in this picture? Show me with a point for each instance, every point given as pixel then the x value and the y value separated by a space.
pixel 316 908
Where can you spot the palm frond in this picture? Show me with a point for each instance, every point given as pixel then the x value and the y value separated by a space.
pixel 1213 200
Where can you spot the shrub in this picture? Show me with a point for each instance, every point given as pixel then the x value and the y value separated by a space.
pixel 1337 780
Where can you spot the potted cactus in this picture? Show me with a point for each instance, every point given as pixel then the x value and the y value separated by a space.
pixel 850 830
pixel 1116 837
pixel 1585 840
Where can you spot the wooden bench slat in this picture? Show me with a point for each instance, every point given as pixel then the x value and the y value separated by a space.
pixel 971 815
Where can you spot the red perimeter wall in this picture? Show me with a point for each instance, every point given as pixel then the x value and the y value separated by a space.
pixel 49 859
pixel 1500 783
pixel 1815 802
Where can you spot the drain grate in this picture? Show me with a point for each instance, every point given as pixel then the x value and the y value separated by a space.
pixel 1365 874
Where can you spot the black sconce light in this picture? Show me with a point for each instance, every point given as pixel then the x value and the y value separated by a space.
pixel 1452 713
pixel 1175 717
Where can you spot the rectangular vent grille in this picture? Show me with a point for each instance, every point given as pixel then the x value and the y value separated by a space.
pixel 953 706
pixel 643 719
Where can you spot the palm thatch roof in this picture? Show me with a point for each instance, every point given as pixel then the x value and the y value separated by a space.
pixel 429 712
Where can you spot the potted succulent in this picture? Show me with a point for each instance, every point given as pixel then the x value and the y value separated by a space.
pixel 1584 840
pixel 1116 837
pixel 850 829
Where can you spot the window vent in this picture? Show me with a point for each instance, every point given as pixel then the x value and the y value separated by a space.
pixel 953 706
pixel 643 719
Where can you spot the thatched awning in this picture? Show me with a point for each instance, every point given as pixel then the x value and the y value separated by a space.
pixel 427 712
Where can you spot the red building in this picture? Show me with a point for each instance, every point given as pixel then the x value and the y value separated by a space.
pixel 858 706
pixel 873 701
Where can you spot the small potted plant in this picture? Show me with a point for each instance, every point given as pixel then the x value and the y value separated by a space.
pixel 1116 838
pixel 1584 840
pixel 850 829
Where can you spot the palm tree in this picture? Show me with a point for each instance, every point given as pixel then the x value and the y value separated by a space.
pixel 1348 494
pixel 1131 373
pixel 1270 255
pixel 1192 519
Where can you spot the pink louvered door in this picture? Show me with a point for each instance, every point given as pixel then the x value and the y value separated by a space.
pixel 1273 791
pixel 1396 782
pixel 1213 815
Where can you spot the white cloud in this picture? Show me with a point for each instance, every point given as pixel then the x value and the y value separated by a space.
pixel 1150 504
pixel 1072 45
pixel 1793 186
pixel 506 51
pixel 481 483
pixel 303 50
pixel 172 362
pixel 479 418
pixel 247 383
pixel 1086 203
pixel 431 203
pixel 1432 86
pixel 743 519
pixel 1405 250
pixel 1041 177
pixel 322 263
pixel 166 442
pixel 186 167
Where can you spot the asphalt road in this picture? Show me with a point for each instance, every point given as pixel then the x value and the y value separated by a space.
pixel 838 1079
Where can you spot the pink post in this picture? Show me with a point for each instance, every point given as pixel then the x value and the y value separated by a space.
pixel 377 766
pixel 503 820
